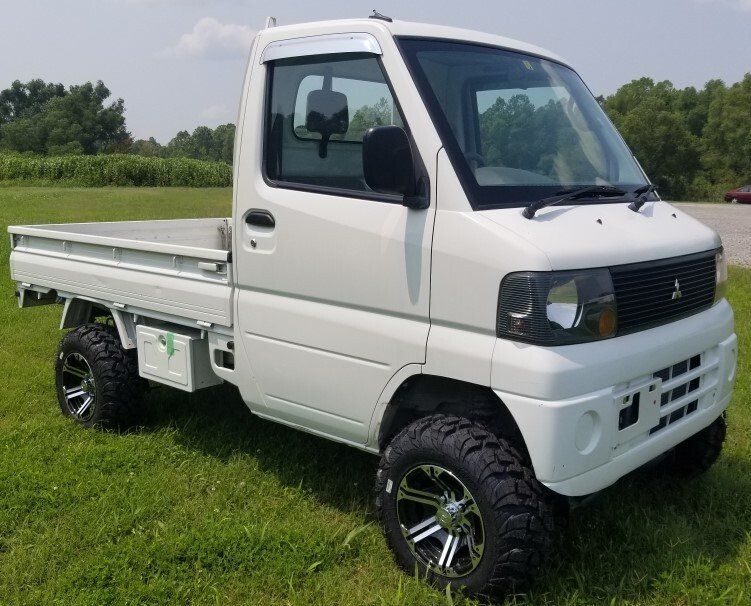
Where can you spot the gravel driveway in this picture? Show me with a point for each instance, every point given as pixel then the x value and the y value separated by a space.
pixel 732 222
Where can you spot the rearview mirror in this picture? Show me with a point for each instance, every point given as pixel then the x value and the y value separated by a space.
pixel 327 114
pixel 388 164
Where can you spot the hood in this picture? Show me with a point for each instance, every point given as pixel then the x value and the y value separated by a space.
pixel 599 235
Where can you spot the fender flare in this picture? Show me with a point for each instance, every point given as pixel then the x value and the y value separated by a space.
pixel 401 375
pixel 78 311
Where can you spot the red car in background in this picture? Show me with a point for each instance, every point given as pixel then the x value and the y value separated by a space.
pixel 741 194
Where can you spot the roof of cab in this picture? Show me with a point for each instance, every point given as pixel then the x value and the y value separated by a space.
pixel 407 28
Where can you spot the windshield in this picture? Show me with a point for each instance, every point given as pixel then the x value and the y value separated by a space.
pixel 517 128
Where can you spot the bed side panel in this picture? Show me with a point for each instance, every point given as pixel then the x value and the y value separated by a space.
pixel 190 287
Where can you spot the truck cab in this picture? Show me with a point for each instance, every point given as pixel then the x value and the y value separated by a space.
pixel 441 252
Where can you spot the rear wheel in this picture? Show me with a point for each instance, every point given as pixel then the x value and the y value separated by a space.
pixel 97 379
pixel 461 505
pixel 734 201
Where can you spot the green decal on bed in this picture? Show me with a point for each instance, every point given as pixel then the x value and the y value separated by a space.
pixel 170 344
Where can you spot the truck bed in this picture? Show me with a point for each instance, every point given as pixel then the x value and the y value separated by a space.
pixel 179 267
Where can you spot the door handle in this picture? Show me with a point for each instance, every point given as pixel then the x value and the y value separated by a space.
pixel 260 218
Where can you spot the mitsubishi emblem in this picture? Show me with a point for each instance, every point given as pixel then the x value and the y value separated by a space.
pixel 677 294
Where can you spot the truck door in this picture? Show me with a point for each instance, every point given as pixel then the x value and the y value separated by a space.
pixel 333 279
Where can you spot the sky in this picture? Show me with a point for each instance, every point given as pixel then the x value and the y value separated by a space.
pixel 179 63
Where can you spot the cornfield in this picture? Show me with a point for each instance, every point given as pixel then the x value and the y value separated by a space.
pixel 115 169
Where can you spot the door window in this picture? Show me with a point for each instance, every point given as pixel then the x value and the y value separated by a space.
pixel 319 110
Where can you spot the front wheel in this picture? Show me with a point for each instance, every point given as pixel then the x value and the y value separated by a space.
pixel 698 453
pixel 462 505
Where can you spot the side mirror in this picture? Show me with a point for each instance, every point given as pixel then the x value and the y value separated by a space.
pixel 388 164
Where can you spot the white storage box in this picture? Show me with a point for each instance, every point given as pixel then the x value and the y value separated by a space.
pixel 174 359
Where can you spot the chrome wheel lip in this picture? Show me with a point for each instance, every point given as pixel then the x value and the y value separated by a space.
pixel 442 526
pixel 78 386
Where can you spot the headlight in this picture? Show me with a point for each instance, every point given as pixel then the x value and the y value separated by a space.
pixel 557 308
pixel 721 275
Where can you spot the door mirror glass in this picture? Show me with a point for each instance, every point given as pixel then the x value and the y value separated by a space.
pixel 388 164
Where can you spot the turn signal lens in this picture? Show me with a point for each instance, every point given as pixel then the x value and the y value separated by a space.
pixel 606 325
pixel 721 276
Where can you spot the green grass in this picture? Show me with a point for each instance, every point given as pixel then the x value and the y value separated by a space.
pixel 209 505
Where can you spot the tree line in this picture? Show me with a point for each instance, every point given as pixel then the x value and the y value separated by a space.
pixel 693 143
pixel 47 119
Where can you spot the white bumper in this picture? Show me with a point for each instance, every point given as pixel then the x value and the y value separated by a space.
pixel 573 411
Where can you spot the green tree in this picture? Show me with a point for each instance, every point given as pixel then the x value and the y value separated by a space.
pixel 150 148
pixel 505 126
pixel 180 146
pixel 224 142
pixel 630 96
pixel 516 134
pixel 77 121
pixel 204 143
pixel 368 116
pixel 694 104
pixel 665 147
pixel 653 119
pixel 693 143
pixel 726 145
pixel 26 99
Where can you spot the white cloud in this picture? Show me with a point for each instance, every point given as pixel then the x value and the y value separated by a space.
pixel 217 113
pixel 157 2
pixel 213 39
pixel 163 2
pixel 744 5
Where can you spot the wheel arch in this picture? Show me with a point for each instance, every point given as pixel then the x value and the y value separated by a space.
pixel 78 311
pixel 420 395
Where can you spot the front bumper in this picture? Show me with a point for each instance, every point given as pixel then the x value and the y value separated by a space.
pixel 643 394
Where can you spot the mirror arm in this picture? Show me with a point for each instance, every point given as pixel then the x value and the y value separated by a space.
pixel 419 197
pixel 323 146
pixel 417 202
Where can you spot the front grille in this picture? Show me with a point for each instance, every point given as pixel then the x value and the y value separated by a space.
pixel 679 381
pixel 651 406
pixel 658 292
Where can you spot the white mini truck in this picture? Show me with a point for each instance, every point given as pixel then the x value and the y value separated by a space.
pixel 442 252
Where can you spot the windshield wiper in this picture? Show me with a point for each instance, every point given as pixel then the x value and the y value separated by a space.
pixel 591 191
pixel 641 194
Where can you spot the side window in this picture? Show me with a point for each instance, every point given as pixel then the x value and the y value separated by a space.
pixel 320 108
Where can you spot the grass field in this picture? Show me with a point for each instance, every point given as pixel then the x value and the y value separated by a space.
pixel 209 505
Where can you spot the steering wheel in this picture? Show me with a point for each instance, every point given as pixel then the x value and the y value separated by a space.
pixel 475 157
